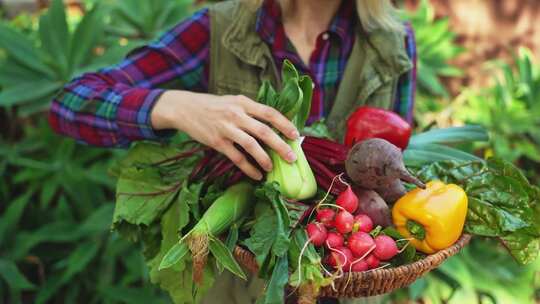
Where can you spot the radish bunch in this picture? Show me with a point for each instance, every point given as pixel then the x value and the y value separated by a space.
pixel 345 237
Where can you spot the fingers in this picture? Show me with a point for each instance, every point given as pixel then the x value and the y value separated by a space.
pixel 252 147
pixel 269 137
pixel 271 115
pixel 239 160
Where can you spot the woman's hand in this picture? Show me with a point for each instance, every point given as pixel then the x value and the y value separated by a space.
pixel 221 121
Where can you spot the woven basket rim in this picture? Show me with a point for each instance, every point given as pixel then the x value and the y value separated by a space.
pixel 414 270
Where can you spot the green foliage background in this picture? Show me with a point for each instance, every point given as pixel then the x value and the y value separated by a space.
pixel 56 197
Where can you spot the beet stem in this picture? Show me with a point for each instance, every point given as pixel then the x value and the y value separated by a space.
pixel 409 178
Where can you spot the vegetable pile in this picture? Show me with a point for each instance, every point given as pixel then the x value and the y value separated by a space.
pixel 384 200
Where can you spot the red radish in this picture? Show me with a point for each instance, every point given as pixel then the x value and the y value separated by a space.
pixel 344 222
pixel 372 261
pixel 334 240
pixel 326 216
pixel 362 223
pixel 359 266
pixel 386 248
pixel 317 233
pixel 340 258
pixel 360 243
pixel 348 200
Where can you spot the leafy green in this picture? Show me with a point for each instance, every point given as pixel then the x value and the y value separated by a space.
pixel 432 146
pixel 318 129
pixel 309 271
pixel 276 245
pixel 294 99
pixel 262 235
pixel 148 183
pixel 437 43
pixel 275 291
pixel 269 193
pixel 502 203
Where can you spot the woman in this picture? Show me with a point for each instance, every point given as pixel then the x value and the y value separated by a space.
pixel 201 78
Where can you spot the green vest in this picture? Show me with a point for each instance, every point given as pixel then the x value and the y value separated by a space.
pixel 240 61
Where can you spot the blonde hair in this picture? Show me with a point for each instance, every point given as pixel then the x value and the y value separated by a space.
pixel 373 14
pixel 378 14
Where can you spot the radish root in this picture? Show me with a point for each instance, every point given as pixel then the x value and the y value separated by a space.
pixel 354 262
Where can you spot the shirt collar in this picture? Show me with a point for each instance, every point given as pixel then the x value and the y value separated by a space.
pixel 268 20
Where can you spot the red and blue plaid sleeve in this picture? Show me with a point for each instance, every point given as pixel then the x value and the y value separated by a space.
pixel 405 97
pixel 112 107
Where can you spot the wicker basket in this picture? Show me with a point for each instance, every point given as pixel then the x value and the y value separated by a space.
pixel 375 282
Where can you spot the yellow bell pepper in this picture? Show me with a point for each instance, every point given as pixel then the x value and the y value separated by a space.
pixel 432 217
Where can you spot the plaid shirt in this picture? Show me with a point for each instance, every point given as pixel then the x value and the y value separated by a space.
pixel 112 107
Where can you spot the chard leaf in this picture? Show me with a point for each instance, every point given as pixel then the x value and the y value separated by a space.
pixel 262 235
pixel 224 257
pixel 191 194
pixel 145 190
pixel 271 194
pixel 502 203
pixel 141 196
pixel 523 246
pixel 275 291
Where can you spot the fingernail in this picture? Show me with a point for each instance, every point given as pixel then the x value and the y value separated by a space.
pixel 291 157
pixel 268 168
pixel 295 134
pixel 258 177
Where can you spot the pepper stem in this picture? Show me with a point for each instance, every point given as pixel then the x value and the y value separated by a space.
pixel 417 230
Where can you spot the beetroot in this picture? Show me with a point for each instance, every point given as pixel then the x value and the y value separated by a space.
pixel 326 216
pixel 344 222
pixel 374 206
pixel 362 223
pixel 372 261
pixel 392 192
pixel 334 240
pixel 386 248
pixel 360 243
pixel 375 164
pixel 348 200
pixel 317 233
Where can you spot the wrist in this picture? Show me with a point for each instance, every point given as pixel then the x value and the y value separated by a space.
pixel 164 113
pixel 172 110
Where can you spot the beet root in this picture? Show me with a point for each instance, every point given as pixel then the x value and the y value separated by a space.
pixel 376 163
pixel 392 192
pixel 373 206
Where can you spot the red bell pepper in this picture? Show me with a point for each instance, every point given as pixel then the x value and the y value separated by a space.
pixel 369 122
